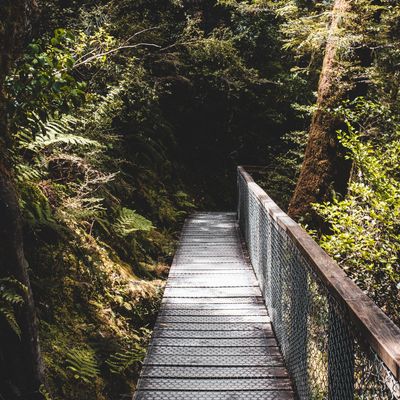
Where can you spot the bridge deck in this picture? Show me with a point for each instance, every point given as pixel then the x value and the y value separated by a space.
pixel 213 339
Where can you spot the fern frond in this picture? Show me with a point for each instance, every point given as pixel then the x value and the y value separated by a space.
pixel 82 363
pixel 54 135
pixel 40 213
pixel 120 362
pixel 24 137
pixel 9 296
pixel 53 132
pixel 7 312
pixel 129 221
pixel 104 224
pixel 11 291
pixel 27 173
pixel 43 391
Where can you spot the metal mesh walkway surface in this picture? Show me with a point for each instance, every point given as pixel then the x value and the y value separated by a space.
pixel 213 339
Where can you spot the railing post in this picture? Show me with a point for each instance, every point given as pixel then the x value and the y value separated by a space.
pixel 340 356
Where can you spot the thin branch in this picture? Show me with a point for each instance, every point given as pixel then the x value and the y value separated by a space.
pixel 106 53
pixel 85 55
pixel 85 59
pixel 178 44
pixel 140 32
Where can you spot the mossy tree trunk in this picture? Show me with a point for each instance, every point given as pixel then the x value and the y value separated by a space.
pixel 324 168
pixel 20 359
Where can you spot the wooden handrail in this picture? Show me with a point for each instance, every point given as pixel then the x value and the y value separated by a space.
pixel 375 327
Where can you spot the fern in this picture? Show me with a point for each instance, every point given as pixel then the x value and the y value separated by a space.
pixel 11 296
pixel 52 132
pixel 123 360
pixel 37 210
pixel 83 365
pixel 25 136
pixel 27 173
pixel 60 132
pixel 43 391
pixel 104 224
pixel 129 221
pixel 120 362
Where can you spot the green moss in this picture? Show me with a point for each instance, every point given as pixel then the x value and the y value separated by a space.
pixel 90 313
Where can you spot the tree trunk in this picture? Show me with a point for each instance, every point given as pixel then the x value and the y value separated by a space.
pixel 324 168
pixel 25 371
pixel 21 362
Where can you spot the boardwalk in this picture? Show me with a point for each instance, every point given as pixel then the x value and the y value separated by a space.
pixel 213 339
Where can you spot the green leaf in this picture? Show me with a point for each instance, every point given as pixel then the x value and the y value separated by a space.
pixel 129 221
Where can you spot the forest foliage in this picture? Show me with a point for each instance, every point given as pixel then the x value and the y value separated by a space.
pixel 127 115
pixel 360 226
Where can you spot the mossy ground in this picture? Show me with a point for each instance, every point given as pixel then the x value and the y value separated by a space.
pixel 95 317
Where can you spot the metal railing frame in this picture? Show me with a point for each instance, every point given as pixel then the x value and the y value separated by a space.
pixel 367 320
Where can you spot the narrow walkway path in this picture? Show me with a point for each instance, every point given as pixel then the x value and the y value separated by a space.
pixel 213 339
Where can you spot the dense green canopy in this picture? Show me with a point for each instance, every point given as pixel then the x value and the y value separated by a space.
pixel 124 116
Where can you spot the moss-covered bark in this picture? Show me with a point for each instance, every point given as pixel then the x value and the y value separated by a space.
pixel 324 168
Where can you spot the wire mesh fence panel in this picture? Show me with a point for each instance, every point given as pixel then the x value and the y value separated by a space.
pixel 327 352
pixel 372 379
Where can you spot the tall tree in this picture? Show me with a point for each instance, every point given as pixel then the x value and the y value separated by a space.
pixel 324 168
pixel 24 373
